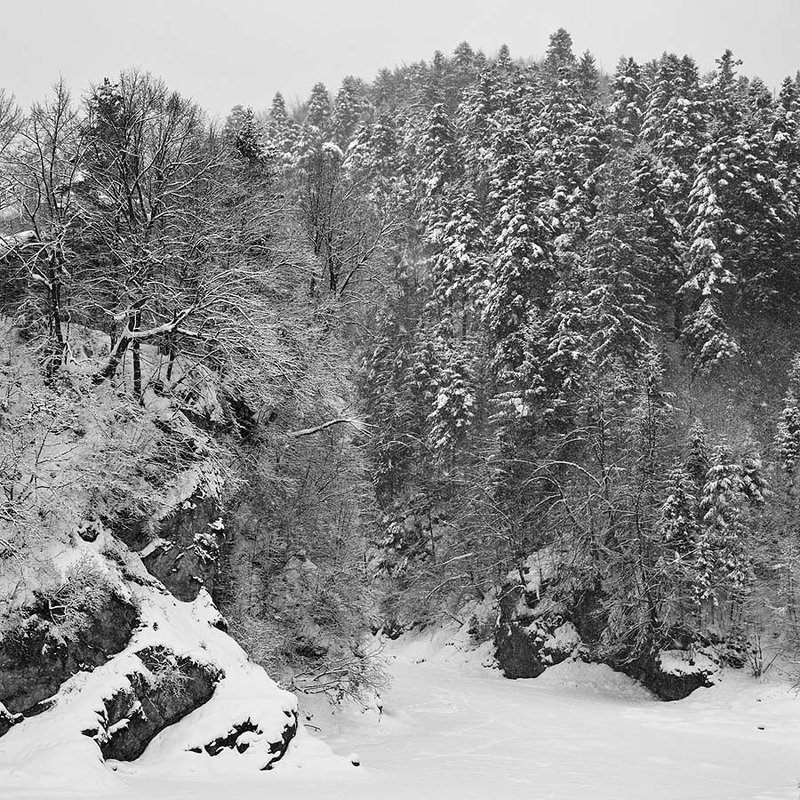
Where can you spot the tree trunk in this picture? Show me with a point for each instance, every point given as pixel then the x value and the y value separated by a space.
pixel 116 356
pixel 137 364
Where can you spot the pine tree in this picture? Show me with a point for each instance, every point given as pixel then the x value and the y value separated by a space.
pixel 726 564
pixel 588 79
pixel 347 110
pixel 628 98
pixel 377 158
pixel 559 62
pixel 674 124
pixel 437 155
pixel 787 436
pixel 557 129
pixel 459 264
pixel 618 264
pixel 697 459
pixel 785 150
pixel 565 350
pixel 736 223
pixel 454 405
pixel 661 228
pixel 711 282
pixel 678 523
pixel 522 268
pixel 281 134
pixel 387 399
pixel 463 71
pixel 245 134
pixel 504 57
pixel 318 114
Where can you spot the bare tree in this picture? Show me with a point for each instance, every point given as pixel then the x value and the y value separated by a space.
pixel 42 167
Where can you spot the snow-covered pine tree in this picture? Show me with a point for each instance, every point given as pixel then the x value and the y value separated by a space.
pixel 348 108
pixel 318 113
pixel 674 125
pixel 662 229
pixel 454 404
pixel 697 458
pixel 557 126
pixel 628 98
pixel 458 267
pixel 245 134
pixel 464 67
pixel 787 436
pixel 564 350
pixel 710 284
pixel 377 158
pixel 617 266
pixel 785 152
pixel 437 159
pixel 678 524
pixel 588 79
pixel 724 563
pixel 520 241
pixel 736 223
pixel 281 133
pixel 559 61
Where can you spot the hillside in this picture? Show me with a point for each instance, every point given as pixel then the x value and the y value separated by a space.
pixel 498 347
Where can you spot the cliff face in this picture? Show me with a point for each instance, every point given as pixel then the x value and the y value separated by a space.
pixel 109 536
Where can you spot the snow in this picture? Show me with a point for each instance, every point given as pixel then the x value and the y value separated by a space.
pixel 678 662
pixel 449 727
pixel 537 569
pixel 49 751
pixel 564 639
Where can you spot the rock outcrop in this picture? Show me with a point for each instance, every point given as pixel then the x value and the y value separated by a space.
pixel 675 674
pixel 242 735
pixel 183 556
pixel 39 652
pixel 534 631
pixel 8 720
pixel 531 636
pixel 165 690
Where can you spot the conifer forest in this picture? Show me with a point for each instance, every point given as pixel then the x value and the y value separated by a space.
pixel 494 349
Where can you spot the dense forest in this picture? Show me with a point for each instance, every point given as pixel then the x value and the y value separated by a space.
pixel 506 342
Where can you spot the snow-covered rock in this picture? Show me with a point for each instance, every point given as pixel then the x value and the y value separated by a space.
pixel 182 691
pixel 675 674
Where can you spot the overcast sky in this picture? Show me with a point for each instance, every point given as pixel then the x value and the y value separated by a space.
pixel 224 52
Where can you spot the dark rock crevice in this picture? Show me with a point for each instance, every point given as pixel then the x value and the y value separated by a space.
pixel 236 738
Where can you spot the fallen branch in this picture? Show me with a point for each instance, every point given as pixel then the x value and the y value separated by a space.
pixel 357 424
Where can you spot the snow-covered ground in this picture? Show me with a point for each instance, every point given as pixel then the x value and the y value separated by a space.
pixel 453 729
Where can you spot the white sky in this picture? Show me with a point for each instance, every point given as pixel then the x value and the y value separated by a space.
pixel 224 52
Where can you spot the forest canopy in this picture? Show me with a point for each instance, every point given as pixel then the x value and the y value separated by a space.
pixel 475 309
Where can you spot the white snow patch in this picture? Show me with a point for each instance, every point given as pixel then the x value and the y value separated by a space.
pixel 681 662
pixel 42 755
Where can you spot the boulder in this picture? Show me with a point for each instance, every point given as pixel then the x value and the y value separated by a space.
pixel 165 690
pixel 527 650
pixel 37 655
pixel 532 632
pixel 675 674
pixel 8 720
pixel 243 735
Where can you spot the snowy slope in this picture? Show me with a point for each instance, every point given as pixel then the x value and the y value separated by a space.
pixel 48 755
pixel 453 728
